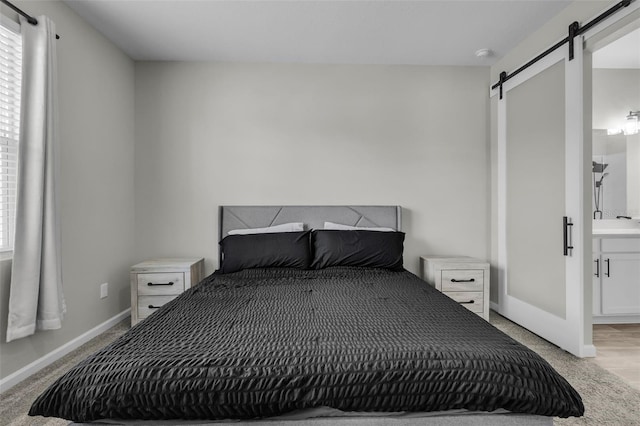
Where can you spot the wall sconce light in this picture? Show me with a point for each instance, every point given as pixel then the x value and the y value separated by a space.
pixel 630 125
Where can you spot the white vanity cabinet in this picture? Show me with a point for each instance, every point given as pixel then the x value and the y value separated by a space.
pixel 616 280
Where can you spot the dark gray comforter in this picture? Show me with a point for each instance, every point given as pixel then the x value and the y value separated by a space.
pixel 263 342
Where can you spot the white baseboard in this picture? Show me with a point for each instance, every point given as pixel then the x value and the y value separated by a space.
pixel 14 378
pixel 616 319
pixel 588 351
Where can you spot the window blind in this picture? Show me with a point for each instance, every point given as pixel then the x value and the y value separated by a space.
pixel 10 82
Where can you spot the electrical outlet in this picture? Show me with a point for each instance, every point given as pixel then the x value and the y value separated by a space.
pixel 104 290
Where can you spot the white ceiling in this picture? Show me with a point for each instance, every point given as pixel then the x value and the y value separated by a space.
pixel 622 53
pixel 320 31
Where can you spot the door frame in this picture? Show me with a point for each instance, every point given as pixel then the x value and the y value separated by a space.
pixel 609 30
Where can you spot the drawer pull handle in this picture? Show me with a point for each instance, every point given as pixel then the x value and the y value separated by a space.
pixel 470 280
pixel 470 302
pixel 169 283
pixel 154 307
pixel 566 234
pixel 597 274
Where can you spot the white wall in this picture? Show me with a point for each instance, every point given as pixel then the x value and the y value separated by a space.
pixel 615 93
pixel 96 111
pixel 209 134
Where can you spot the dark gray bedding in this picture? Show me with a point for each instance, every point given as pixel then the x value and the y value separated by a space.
pixel 263 342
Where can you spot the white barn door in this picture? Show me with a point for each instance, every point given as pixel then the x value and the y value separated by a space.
pixel 540 199
pixel 541 170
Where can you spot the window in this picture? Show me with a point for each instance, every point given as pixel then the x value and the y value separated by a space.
pixel 10 80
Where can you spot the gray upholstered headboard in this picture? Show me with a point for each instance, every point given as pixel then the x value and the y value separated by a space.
pixel 242 217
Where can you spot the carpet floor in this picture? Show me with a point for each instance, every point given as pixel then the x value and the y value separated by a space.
pixel 608 399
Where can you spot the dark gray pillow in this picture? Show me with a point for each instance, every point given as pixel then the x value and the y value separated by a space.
pixel 281 249
pixel 371 249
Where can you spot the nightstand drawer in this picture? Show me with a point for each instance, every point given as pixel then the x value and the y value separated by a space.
pixel 472 300
pixel 149 304
pixel 462 280
pixel 157 284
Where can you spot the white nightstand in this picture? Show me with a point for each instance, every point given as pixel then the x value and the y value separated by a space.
pixel 464 279
pixel 156 282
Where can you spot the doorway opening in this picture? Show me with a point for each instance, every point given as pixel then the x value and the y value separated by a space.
pixel 615 203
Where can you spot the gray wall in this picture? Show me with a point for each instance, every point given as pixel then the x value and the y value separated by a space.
pixel 96 90
pixel 548 34
pixel 633 176
pixel 209 134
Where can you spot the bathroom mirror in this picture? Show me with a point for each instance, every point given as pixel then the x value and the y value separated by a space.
pixel 615 175
pixel 616 155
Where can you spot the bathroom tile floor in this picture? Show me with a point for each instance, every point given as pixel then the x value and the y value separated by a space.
pixel 618 350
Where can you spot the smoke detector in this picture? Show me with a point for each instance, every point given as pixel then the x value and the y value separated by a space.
pixel 483 53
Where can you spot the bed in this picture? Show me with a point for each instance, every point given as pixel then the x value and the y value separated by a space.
pixel 337 343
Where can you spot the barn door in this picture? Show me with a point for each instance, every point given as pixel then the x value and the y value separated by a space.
pixel 540 219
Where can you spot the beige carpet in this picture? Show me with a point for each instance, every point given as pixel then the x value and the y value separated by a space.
pixel 15 403
pixel 608 400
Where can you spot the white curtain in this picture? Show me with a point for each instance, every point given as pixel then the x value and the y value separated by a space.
pixel 36 301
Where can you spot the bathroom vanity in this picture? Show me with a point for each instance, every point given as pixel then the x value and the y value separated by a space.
pixel 616 271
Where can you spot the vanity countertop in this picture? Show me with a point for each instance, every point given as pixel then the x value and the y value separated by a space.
pixel 616 233
pixel 616 228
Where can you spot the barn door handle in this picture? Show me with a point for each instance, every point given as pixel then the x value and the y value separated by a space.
pixel 566 235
